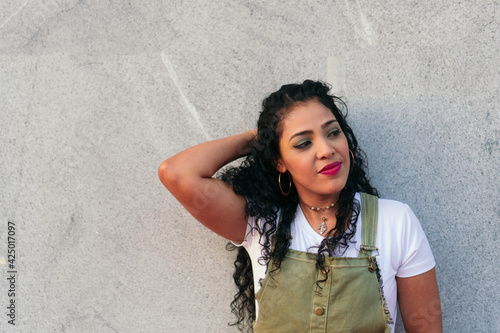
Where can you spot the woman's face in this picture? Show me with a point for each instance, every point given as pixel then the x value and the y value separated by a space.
pixel 315 152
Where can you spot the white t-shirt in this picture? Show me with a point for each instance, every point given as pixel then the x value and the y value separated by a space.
pixel 403 248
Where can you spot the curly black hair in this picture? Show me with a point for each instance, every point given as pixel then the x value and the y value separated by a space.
pixel 256 179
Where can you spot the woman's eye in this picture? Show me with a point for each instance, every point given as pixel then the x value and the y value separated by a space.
pixel 302 144
pixel 334 132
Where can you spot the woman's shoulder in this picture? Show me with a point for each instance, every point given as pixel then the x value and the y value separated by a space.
pixel 388 206
pixel 394 213
pixel 398 219
pixel 401 233
pixel 392 206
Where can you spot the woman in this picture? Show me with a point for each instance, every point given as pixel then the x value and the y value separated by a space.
pixel 314 251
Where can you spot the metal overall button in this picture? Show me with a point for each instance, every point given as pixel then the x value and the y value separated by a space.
pixel 373 267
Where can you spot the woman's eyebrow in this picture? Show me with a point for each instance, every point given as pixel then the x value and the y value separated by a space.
pixel 310 132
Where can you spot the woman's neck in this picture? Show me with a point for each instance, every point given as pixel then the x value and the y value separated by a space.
pixel 321 218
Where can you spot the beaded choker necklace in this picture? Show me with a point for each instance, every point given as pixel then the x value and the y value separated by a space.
pixel 322 225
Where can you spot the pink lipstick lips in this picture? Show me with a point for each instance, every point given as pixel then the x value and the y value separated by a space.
pixel 331 169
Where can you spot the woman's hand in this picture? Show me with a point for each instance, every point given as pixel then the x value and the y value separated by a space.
pixel 419 303
pixel 188 176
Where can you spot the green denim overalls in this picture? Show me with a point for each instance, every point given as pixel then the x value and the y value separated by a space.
pixel 350 300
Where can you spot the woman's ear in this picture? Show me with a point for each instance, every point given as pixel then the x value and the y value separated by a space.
pixel 280 167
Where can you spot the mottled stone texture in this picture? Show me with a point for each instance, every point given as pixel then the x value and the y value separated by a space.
pixel 95 94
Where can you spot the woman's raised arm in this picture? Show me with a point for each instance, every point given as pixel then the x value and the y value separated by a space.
pixel 188 176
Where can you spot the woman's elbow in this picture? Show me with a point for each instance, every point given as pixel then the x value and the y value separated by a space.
pixel 167 174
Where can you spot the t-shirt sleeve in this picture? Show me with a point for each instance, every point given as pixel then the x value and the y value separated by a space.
pixel 416 255
pixel 250 230
pixel 249 233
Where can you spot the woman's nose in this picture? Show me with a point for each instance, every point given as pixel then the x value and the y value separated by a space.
pixel 324 149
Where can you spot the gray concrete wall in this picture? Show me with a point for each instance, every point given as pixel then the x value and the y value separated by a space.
pixel 95 94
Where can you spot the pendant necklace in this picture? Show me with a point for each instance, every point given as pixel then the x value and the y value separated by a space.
pixel 322 225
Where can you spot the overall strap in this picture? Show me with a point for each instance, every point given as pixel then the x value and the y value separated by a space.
pixel 369 217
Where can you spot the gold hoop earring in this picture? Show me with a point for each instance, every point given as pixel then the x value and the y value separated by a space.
pixel 289 184
pixel 352 157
